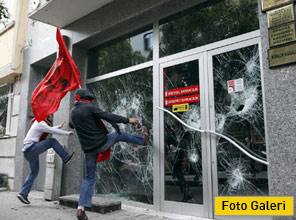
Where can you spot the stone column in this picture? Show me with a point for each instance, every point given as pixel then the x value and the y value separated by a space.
pixel 279 88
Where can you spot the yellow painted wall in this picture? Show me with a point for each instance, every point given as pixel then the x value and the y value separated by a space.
pixel 21 36
pixel 13 40
pixel 6 47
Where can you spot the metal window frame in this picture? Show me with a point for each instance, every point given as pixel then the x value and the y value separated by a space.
pixel 9 111
pixel 157 63
pixel 186 208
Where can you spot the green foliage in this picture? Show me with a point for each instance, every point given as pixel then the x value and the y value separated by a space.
pixel 3 11
pixel 216 21
pixel 118 56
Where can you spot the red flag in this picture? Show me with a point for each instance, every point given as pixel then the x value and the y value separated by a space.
pixel 62 77
pixel 106 155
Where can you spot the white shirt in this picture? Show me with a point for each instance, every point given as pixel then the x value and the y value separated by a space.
pixel 37 129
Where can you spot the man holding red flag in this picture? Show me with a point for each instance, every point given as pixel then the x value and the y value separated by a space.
pixel 62 77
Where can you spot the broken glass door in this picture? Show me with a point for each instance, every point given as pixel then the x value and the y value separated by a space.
pixel 199 166
pixel 238 114
pixel 183 184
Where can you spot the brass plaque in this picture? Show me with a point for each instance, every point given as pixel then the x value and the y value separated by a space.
pixel 281 16
pixel 281 35
pixel 268 4
pixel 282 55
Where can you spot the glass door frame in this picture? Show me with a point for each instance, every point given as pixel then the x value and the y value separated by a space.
pixel 210 186
pixel 171 206
pixel 212 127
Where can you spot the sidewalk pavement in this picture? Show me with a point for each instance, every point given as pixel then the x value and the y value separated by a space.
pixel 12 209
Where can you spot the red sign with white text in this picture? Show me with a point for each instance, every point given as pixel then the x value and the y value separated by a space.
pixel 181 91
pixel 181 100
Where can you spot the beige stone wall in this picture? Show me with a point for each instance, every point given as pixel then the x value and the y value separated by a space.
pixel 20 40
pixel 6 47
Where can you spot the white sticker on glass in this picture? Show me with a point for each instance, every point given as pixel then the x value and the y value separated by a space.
pixel 236 85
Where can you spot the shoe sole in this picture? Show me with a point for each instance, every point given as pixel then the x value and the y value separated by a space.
pixel 69 160
pixel 22 200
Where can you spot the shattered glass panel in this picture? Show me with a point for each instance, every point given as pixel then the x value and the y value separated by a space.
pixel 239 115
pixel 3 114
pixel 207 23
pixel 120 53
pixel 183 162
pixel 129 173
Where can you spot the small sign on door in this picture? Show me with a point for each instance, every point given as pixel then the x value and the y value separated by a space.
pixel 236 85
pixel 181 108
pixel 181 100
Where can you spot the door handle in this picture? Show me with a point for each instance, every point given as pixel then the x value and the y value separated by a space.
pixel 217 134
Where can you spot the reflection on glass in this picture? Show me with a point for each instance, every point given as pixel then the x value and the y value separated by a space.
pixel 207 23
pixel 4 91
pixel 129 173
pixel 183 162
pixel 3 114
pixel 239 115
pixel 120 54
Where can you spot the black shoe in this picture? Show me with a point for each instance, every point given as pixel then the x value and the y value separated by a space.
pixel 23 198
pixel 81 215
pixel 68 158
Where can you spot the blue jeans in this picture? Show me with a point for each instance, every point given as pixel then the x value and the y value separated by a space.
pixel 90 160
pixel 32 156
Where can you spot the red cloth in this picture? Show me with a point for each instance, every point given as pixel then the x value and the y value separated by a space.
pixel 106 155
pixel 43 137
pixel 62 77
pixel 77 97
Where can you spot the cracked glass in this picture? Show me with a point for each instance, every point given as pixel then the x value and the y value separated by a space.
pixel 129 173
pixel 183 161
pixel 239 115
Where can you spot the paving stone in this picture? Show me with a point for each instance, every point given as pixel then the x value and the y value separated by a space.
pixel 99 204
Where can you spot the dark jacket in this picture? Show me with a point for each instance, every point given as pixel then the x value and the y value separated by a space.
pixel 85 118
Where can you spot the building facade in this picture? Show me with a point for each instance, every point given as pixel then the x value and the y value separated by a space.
pixel 206 62
pixel 12 45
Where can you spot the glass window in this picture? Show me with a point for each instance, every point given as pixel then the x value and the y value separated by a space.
pixel 121 53
pixel 148 41
pixel 207 23
pixel 4 90
pixel 129 173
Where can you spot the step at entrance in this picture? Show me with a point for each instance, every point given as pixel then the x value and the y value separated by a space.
pixel 99 204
